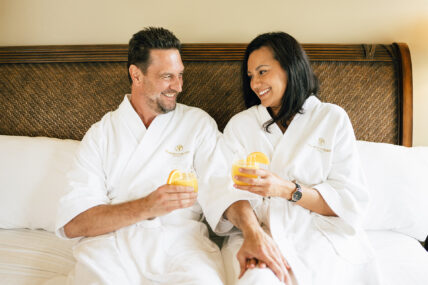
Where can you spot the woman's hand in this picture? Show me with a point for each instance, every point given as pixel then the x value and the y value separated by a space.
pixel 267 184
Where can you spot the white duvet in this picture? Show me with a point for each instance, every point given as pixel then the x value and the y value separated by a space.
pixel 33 257
pixel 39 257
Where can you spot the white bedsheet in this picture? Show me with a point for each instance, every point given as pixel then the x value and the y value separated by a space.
pixel 402 259
pixel 33 256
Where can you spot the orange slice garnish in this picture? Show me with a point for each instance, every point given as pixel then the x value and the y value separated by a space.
pixel 258 157
pixel 174 175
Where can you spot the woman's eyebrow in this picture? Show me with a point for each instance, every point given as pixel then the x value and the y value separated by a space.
pixel 260 66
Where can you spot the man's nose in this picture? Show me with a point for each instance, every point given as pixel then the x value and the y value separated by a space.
pixel 177 84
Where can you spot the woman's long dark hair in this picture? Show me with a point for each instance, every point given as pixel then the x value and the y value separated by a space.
pixel 301 80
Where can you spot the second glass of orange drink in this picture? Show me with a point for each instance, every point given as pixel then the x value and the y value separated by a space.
pixel 252 161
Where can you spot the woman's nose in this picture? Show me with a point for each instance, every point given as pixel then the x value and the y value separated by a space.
pixel 255 82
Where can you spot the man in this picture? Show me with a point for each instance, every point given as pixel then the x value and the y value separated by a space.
pixel 136 229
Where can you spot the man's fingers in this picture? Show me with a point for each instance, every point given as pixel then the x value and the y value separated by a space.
pixel 242 264
pixel 179 204
pixel 285 262
pixel 186 203
pixel 275 263
pixel 287 279
pixel 277 270
pixel 182 196
pixel 179 189
pixel 176 193
pixel 281 261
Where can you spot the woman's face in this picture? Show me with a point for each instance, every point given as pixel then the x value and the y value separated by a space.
pixel 267 78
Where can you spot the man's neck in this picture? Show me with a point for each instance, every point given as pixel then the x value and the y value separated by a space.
pixel 146 116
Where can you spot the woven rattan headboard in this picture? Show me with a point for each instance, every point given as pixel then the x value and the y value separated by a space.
pixel 59 91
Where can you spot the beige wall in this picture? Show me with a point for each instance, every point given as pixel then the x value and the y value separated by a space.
pixel 50 22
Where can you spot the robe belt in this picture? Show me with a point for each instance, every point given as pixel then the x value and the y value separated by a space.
pixel 176 217
pixel 181 216
pixel 153 223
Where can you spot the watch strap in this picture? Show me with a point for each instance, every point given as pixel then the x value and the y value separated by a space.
pixel 297 194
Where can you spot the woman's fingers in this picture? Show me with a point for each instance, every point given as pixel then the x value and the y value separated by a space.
pixel 251 263
pixel 255 181
pixel 257 172
pixel 251 188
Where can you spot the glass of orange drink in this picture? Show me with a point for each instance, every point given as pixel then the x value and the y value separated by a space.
pixel 185 177
pixel 252 161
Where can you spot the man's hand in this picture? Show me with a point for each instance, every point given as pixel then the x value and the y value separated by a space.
pixel 260 250
pixel 103 219
pixel 168 198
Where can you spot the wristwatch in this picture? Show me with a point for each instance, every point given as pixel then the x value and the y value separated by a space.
pixel 297 194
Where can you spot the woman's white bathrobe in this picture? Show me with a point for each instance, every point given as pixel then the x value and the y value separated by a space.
pixel 120 160
pixel 317 150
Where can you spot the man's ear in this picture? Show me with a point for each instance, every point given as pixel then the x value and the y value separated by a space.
pixel 136 74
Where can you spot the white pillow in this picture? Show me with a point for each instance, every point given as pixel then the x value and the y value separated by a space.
pixel 397 178
pixel 32 180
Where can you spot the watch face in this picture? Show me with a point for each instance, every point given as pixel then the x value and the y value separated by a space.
pixel 297 195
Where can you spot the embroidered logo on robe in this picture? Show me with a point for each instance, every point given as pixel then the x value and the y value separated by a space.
pixel 320 146
pixel 178 151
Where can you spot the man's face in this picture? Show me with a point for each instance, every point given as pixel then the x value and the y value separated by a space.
pixel 162 81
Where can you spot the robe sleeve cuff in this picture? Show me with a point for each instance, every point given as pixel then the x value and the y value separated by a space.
pixel 223 226
pixel 218 223
pixel 67 212
pixel 337 203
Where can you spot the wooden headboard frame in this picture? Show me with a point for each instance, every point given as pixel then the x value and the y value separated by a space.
pixel 16 82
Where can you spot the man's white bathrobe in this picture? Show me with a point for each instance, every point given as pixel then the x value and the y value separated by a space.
pixel 120 160
pixel 317 150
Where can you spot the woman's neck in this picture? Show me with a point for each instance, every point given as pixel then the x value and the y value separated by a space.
pixel 273 113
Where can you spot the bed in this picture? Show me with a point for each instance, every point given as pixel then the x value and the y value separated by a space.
pixel 50 96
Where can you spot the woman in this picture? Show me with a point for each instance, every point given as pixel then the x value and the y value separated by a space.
pixel 311 197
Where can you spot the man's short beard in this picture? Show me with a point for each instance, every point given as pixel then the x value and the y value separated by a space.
pixel 163 109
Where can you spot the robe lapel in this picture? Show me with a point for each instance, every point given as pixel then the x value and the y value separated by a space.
pixel 142 157
pixel 284 151
pixel 282 157
pixel 146 143
pixel 275 133
pixel 130 121
pixel 150 141
pixel 275 138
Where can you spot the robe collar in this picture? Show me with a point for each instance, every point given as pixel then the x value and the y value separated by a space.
pixel 264 116
pixel 131 118
pixel 133 121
